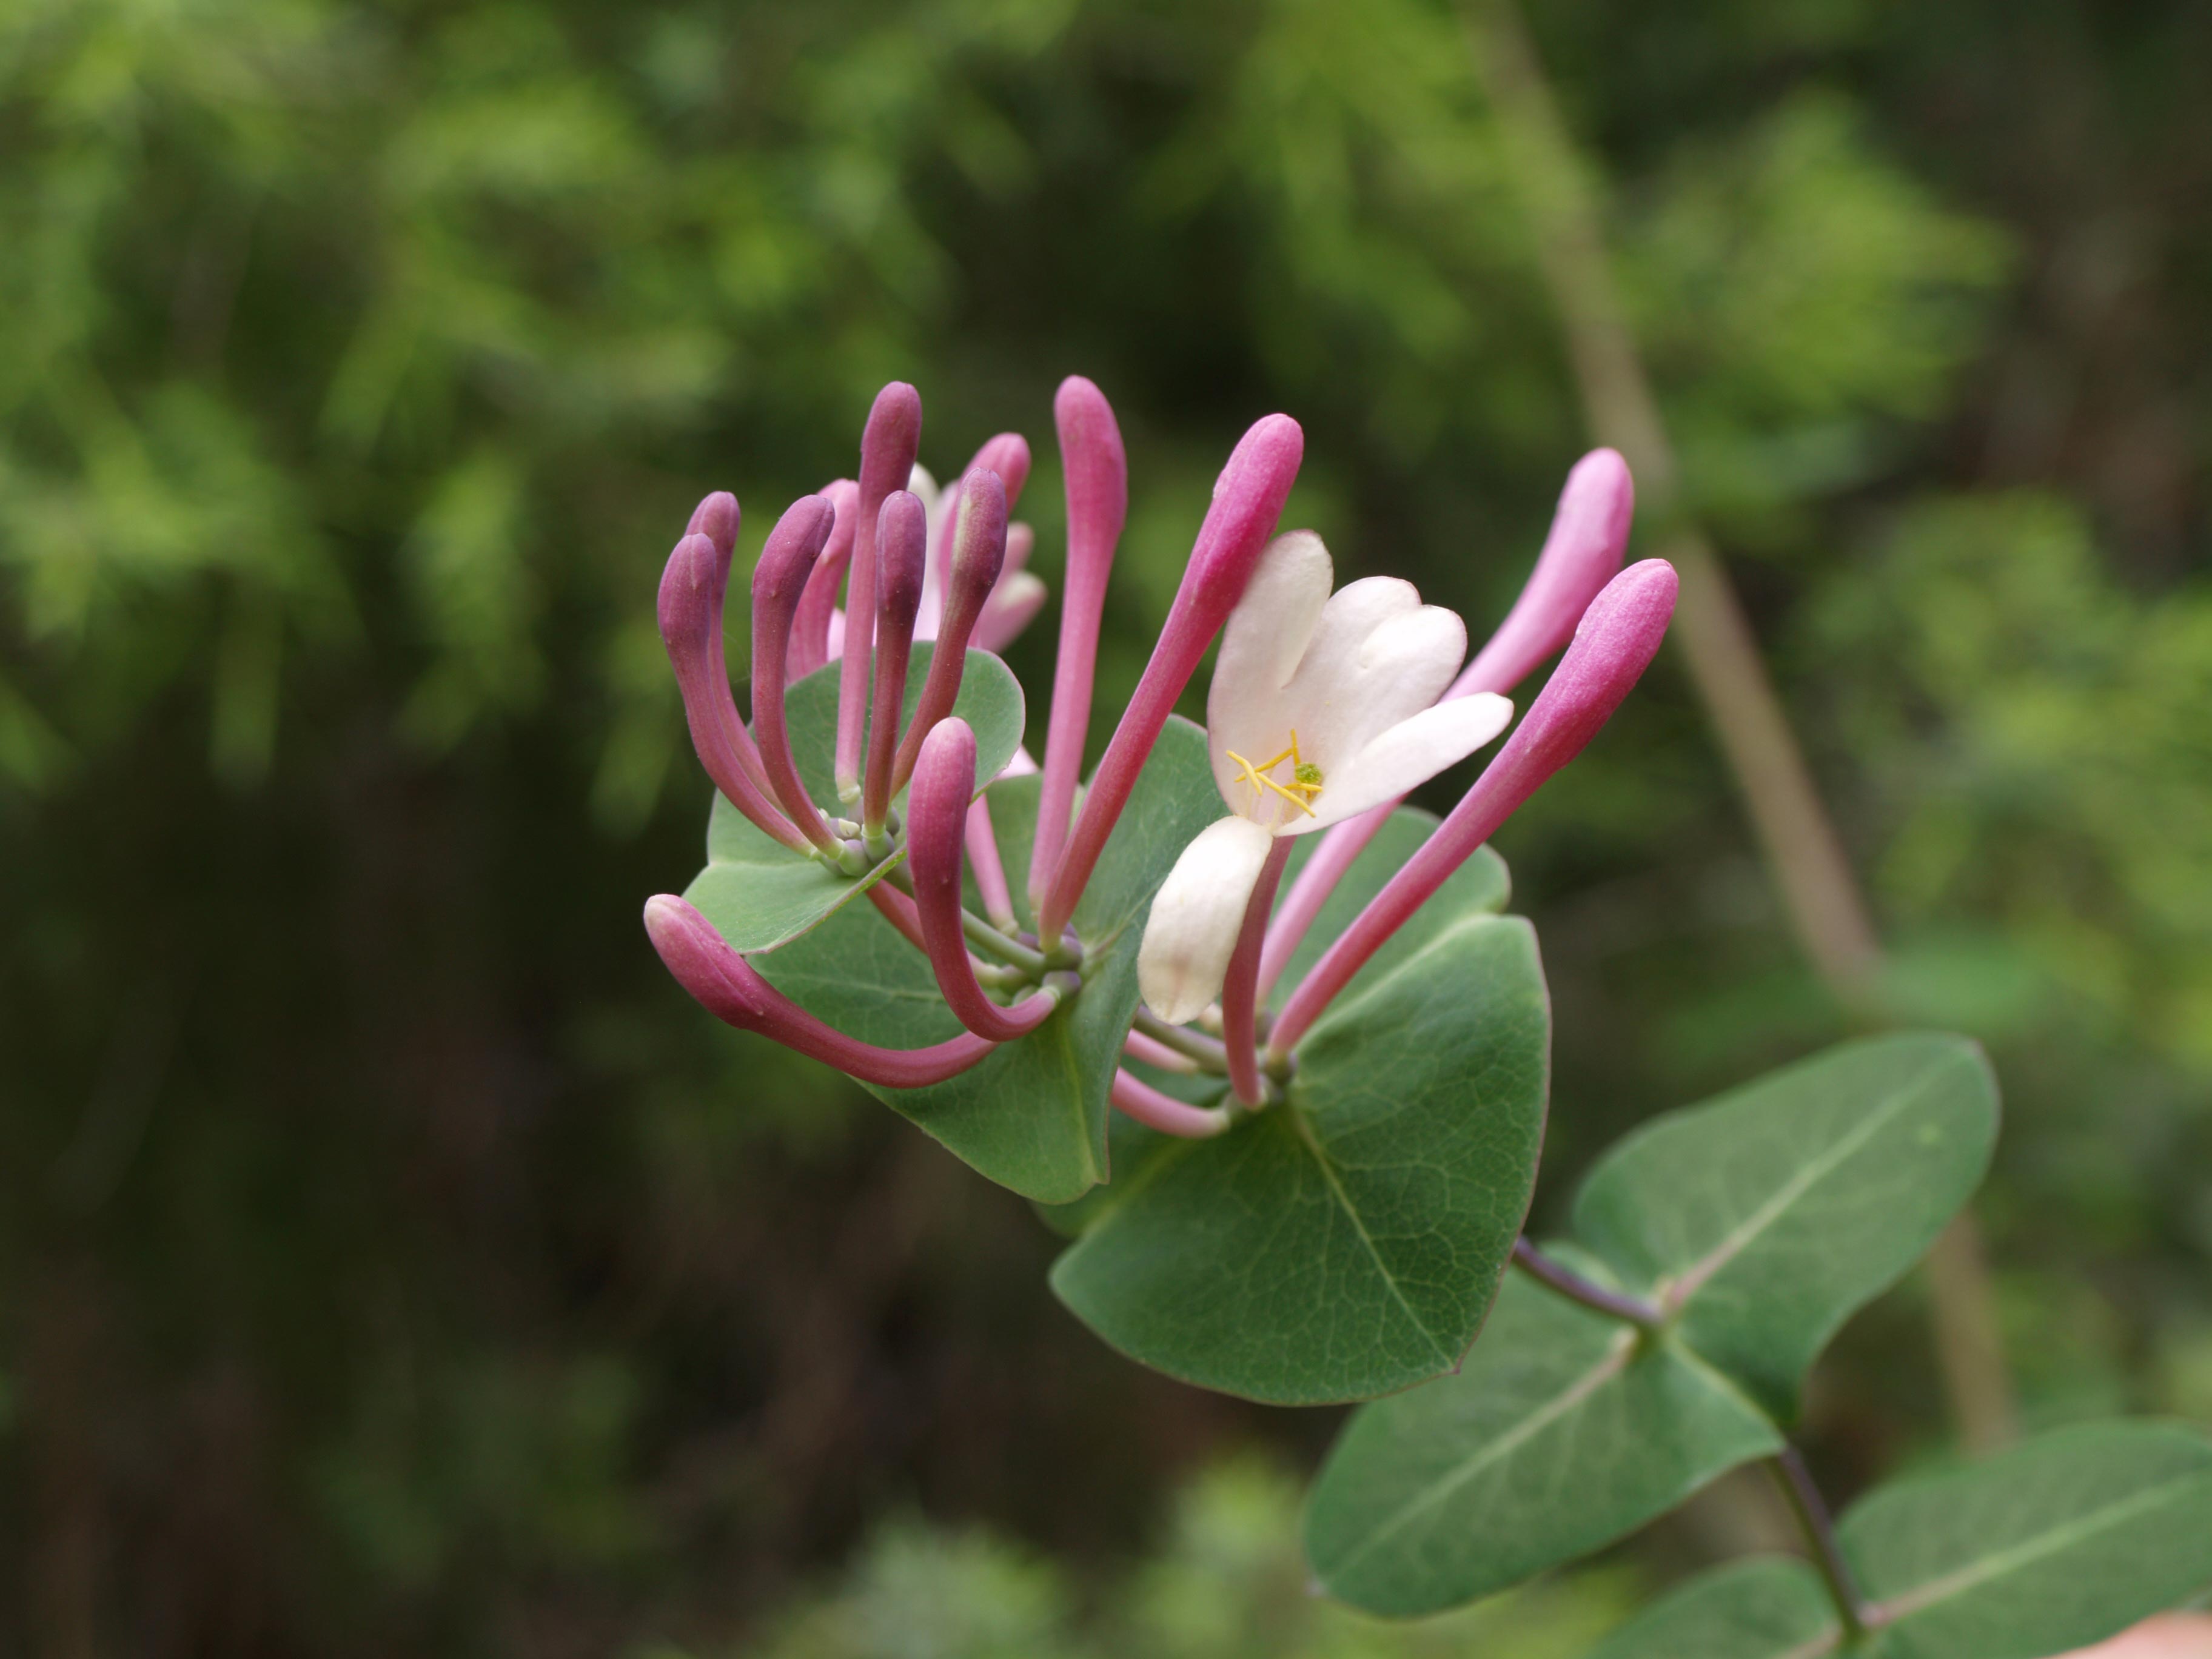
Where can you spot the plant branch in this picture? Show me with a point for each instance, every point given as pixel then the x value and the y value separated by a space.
pixel 1811 1510
pixel 1818 888
pixel 1564 1281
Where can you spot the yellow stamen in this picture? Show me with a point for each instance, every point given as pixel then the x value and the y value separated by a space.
pixel 1300 792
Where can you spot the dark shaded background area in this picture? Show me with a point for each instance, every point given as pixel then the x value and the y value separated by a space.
pixel 392 1259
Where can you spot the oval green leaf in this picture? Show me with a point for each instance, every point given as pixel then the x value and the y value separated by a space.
pixel 1771 1607
pixel 1765 1218
pixel 1564 1430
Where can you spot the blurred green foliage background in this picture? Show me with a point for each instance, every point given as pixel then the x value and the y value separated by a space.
pixel 393 1260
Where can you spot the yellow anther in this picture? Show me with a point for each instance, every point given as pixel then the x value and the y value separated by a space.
pixel 1305 784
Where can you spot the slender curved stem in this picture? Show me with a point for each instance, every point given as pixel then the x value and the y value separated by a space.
pixel 990 940
pixel 1811 1510
pixel 1564 1281
pixel 1163 1112
pixel 1240 1000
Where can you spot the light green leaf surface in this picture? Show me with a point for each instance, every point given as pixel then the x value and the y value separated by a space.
pixel 1563 1431
pixel 1348 1243
pixel 2052 1545
pixel 757 892
pixel 1033 1115
pixel 1770 1607
pixel 1768 1216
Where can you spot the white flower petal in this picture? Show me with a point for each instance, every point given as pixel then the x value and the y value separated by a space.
pixel 1411 752
pixel 1266 636
pixel 1398 667
pixel 1195 917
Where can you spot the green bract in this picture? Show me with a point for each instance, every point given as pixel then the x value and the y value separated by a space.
pixel 758 893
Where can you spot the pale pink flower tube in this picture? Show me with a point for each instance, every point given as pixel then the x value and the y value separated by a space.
pixel 979 550
pixel 809 628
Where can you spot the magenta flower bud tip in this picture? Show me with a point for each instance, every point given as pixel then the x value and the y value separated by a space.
pixel 901 545
pixel 716 518
pixel 779 581
pixel 937 822
pixel 1581 555
pixel 788 559
pixel 979 548
pixel 889 442
pixel 1008 455
pixel 690 612
pixel 809 627
pixel 937 807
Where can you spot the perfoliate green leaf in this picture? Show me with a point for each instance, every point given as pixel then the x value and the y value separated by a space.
pixel 758 892
pixel 1347 1242
pixel 1765 1218
pixel 1564 1430
pixel 1771 1607
pixel 1033 1115
pixel 2047 1547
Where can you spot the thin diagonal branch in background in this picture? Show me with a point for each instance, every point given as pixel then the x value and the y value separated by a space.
pixel 1818 888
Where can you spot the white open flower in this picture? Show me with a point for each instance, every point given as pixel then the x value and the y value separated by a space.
pixel 1323 705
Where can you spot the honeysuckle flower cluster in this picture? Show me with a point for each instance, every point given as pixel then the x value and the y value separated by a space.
pixel 1324 710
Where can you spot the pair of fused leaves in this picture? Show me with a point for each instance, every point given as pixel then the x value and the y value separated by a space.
pixel 1757 1224
pixel 2050 1547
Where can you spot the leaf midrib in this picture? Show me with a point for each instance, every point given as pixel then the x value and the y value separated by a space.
pixel 1701 1273
pixel 1620 1350
pixel 1964 1579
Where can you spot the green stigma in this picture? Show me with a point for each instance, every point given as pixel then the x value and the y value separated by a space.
pixel 1307 772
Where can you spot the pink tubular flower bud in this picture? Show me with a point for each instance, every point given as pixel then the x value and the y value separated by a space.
pixel 716 518
pixel 1619 635
pixel 778 581
pixel 902 542
pixel 887 447
pixel 978 552
pixel 1582 554
pixel 730 988
pixel 809 628
pixel 1247 499
pixel 691 594
pixel 937 819
pixel 1097 469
